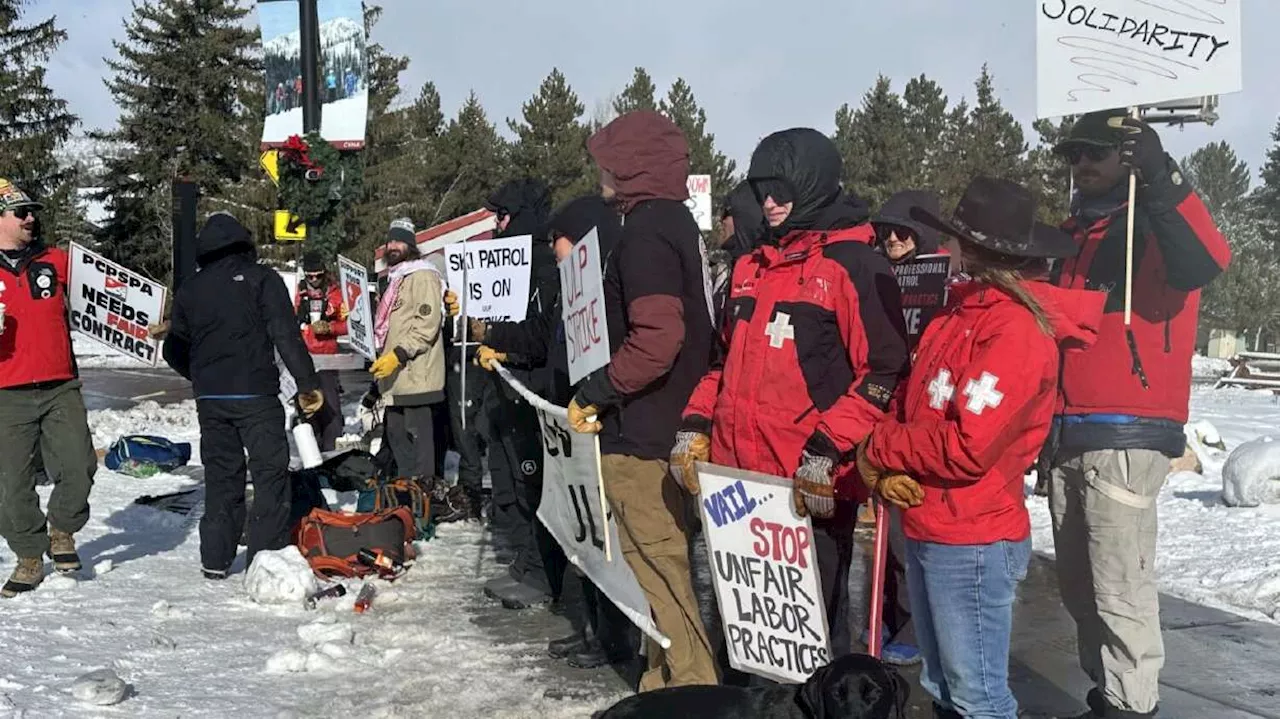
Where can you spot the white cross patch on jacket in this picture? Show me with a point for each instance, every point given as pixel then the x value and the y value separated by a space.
pixel 982 393
pixel 780 330
pixel 941 390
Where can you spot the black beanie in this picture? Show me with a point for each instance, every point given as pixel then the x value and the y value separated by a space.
pixel 402 230
pixel 313 261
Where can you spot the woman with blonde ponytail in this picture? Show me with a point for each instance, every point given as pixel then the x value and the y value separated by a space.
pixel 971 419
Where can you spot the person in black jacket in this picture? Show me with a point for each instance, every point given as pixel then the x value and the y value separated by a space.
pixel 742 229
pixel 229 322
pixel 540 339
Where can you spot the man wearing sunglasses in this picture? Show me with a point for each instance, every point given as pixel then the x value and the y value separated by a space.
pixel 41 409
pixel 322 315
pixel 1124 401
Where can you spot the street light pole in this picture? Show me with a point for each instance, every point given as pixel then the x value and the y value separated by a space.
pixel 309 26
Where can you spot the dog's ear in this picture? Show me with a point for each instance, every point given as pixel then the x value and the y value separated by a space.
pixel 809 694
pixel 901 693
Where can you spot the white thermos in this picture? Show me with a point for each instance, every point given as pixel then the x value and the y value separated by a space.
pixel 308 449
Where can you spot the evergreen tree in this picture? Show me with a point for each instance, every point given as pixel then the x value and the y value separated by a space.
pixel 873 143
pixel 551 143
pixel 183 79
pixel 925 109
pixel 34 122
pixel 471 162
pixel 1050 174
pixel 986 140
pixel 681 106
pixel 639 95
pixel 1266 198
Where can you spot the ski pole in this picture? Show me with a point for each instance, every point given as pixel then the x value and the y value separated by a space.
pixel 879 560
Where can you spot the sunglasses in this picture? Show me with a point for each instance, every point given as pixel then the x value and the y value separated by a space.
pixel 22 213
pixel 313 274
pixel 1095 153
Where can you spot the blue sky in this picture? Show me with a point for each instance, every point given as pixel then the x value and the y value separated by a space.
pixel 755 65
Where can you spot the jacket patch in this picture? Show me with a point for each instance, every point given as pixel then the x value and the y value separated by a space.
pixel 982 393
pixel 44 280
pixel 780 330
pixel 424 310
pixel 878 395
pixel 941 390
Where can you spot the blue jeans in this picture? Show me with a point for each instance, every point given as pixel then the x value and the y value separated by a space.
pixel 962 607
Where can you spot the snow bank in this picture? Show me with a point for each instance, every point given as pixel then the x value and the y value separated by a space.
pixel 280 576
pixel 1206 368
pixel 1251 475
pixel 101 688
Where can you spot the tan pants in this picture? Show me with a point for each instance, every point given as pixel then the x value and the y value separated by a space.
pixel 1104 532
pixel 650 509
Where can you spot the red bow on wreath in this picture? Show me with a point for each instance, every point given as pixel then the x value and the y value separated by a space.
pixel 296 149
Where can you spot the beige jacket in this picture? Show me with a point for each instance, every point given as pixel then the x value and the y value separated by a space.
pixel 414 335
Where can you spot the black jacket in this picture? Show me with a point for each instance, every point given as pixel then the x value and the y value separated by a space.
pixel 230 319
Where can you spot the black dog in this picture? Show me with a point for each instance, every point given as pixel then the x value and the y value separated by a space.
pixel 852 687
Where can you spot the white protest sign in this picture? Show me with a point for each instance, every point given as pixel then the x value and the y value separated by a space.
pixel 354 281
pixel 1102 54
pixel 586 330
pixel 497 277
pixel 114 305
pixel 699 202
pixel 572 513
pixel 765 571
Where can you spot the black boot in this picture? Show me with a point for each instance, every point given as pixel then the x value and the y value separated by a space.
pixel 566 646
pixel 941 712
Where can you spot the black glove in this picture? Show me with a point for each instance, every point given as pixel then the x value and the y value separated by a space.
pixel 1142 151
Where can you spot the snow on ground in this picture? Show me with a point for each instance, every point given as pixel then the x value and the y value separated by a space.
pixel 1207 552
pixel 194 648
pixel 1209 368
pixel 92 353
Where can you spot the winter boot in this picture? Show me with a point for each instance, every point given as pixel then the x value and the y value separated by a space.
pixel 214 574
pixel 566 646
pixel 1098 709
pixel 457 506
pixel 26 577
pixel 941 712
pixel 62 550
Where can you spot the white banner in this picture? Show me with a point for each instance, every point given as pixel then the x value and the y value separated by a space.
pixel 1102 54
pixel 497 275
pixel 764 567
pixel 354 281
pixel 586 330
pixel 571 510
pixel 699 202
pixel 114 305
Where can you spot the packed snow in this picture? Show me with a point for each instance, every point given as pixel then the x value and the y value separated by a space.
pixel 340 121
pixel 91 353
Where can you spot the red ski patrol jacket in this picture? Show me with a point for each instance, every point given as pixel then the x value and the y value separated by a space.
pixel 36 344
pixel 816 346
pixel 327 301
pixel 978 407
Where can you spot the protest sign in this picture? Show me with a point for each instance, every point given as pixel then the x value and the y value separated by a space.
pixel 586 331
pixel 923 281
pixel 114 305
pixel 354 281
pixel 765 572
pixel 571 511
pixel 1101 54
pixel 496 281
pixel 699 202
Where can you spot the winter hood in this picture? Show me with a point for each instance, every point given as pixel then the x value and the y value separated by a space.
pixel 749 228
pixel 527 202
pixel 897 211
pixel 222 235
pixel 803 166
pixel 1074 315
pixel 647 155
pixel 575 218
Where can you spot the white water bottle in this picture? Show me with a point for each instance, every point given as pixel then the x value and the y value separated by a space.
pixel 308 449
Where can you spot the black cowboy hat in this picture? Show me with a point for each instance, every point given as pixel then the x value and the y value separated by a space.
pixel 897 211
pixel 1000 216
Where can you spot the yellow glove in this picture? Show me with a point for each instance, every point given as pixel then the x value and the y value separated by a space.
pixel 797 498
pixel 451 304
pixel 384 366
pixel 320 328
pixel 870 473
pixel 901 491
pixel 486 355
pixel 583 419
pixel 311 402
pixel 690 447
pixel 476 330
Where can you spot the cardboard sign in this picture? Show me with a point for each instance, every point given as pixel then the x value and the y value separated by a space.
pixel 497 277
pixel 571 511
pixel 354 281
pixel 1101 54
pixel 586 330
pixel 923 281
pixel 114 305
pixel 699 202
pixel 765 572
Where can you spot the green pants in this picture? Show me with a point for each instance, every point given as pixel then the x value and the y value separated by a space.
pixel 48 420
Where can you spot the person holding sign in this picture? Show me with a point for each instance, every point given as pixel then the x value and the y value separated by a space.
pixel 971 419
pixel 816 347
pixel 322 314
pixel 42 413
pixel 229 321
pixel 1124 402
pixel 658 315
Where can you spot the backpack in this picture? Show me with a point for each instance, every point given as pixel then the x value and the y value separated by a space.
pixel 411 493
pixel 140 455
pixel 330 541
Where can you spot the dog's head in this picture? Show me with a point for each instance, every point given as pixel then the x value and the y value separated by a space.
pixel 855 686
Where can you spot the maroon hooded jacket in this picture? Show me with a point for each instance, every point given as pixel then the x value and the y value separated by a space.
pixel 657 290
